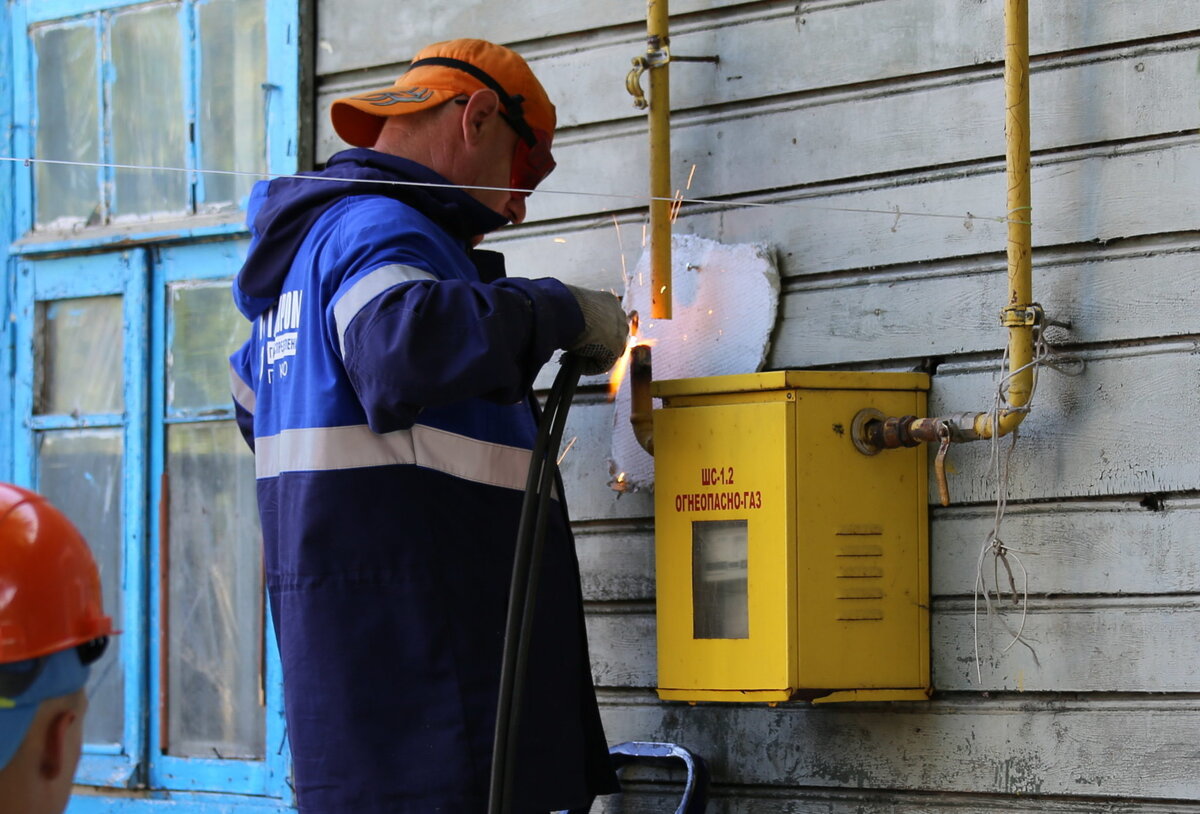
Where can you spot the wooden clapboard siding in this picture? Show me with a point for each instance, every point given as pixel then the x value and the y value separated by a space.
pixel 1013 745
pixel 1140 546
pixel 1128 645
pixel 858 120
pixel 1119 428
pixel 874 129
pixel 1127 291
pixel 766 49
pixel 1091 195
pixel 658 797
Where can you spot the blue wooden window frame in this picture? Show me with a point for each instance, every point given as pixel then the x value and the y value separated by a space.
pixel 267 777
pixel 281 111
pixel 141 277
pixel 7 171
pixel 91 276
pixel 137 263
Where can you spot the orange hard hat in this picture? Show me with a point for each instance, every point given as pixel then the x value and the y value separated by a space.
pixel 49 584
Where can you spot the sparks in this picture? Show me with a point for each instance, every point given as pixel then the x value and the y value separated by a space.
pixel 676 204
pixel 690 174
pixel 622 366
pixel 568 449
pixel 621 249
pixel 560 240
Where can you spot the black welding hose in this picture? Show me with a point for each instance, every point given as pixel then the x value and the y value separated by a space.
pixel 527 562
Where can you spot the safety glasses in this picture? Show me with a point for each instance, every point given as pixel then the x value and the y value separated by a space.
pixel 531 162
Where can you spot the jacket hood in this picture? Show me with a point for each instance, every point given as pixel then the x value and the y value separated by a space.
pixel 289 207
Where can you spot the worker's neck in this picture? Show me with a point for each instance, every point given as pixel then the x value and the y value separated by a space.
pixel 429 141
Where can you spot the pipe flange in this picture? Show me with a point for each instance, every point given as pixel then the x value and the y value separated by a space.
pixel 858 430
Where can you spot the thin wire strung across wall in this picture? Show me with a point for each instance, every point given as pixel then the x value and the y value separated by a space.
pixel 999 466
pixel 676 200
pixel 1003 556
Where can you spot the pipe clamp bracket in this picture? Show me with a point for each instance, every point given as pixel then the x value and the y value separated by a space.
pixel 1021 316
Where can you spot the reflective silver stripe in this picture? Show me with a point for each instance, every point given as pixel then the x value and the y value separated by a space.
pixel 331 448
pixel 368 287
pixel 243 394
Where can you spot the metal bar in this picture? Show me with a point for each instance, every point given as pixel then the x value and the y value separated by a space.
pixel 641 408
pixel 658 40
pixel 1020 226
pixel 1020 313
pixel 164 613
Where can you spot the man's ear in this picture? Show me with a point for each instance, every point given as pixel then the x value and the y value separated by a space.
pixel 481 106
pixel 56 738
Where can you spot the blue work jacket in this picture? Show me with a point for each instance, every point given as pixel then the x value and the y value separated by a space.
pixel 385 389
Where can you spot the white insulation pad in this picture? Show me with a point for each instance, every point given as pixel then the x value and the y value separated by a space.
pixel 723 311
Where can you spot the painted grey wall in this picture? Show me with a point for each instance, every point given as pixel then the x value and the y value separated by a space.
pixel 897 105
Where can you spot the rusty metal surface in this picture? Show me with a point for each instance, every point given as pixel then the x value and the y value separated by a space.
pixel 641 407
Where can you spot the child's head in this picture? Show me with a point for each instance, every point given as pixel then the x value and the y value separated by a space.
pixel 52 627
pixel 42 704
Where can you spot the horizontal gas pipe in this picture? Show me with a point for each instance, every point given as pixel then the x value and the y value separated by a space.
pixel 1020 314
pixel 641 409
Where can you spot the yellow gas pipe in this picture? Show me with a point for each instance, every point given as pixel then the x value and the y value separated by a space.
pixel 1020 314
pixel 641 408
pixel 658 60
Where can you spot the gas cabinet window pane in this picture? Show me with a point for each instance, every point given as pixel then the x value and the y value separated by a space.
pixel 215 606
pixel 147 117
pixel 79 347
pixel 204 331
pixel 68 124
pixel 80 471
pixel 719 580
pixel 233 70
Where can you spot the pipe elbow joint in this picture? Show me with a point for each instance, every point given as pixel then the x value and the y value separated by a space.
pixel 641 408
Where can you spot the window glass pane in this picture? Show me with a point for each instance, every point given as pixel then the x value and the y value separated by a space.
pixel 719 584
pixel 147 117
pixel 233 68
pixel 67 124
pixel 215 627
pixel 79 347
pixel 79 471
pixel 205 329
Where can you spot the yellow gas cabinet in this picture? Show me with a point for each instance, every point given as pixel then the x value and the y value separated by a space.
pixel 789 564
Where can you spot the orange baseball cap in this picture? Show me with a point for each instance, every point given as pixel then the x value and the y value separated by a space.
pixel 440 72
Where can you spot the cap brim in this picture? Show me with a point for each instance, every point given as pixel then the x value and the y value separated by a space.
pixel 62 674
pixel 14 723
pixel 358 119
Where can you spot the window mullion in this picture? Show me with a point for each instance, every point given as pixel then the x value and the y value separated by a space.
pixel 105 175
pixel 191 96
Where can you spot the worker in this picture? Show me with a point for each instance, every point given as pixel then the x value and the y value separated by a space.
pixel 52 628
pixel 386 392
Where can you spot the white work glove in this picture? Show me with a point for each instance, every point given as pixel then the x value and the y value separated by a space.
pixel 605 330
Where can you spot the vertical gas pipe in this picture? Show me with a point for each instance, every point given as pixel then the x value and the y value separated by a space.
pixel 658 61
pixel 1018 315
pixel 874 432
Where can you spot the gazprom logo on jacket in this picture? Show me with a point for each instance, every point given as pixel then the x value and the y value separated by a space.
pixel 279 327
